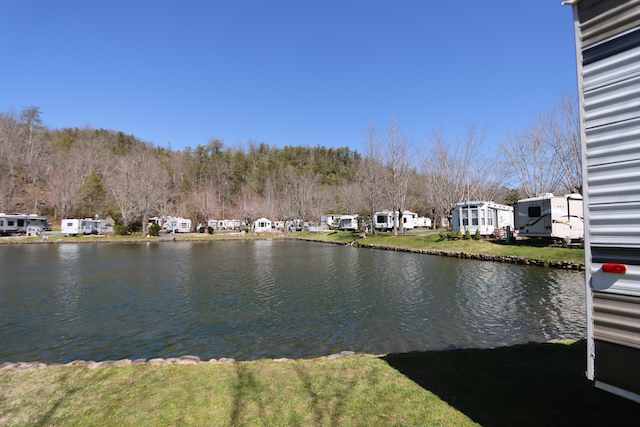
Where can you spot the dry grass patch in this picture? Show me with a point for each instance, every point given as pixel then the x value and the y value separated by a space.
pixel 357 390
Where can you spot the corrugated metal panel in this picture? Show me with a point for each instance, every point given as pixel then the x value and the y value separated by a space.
pixel 618 142
pixel 615 225
pixel 589 9
pixel 613 69
pixel 629 255
pixel 613 103
pixel 614 183
pixel 624 284
pixel 616 20
pixel 616 319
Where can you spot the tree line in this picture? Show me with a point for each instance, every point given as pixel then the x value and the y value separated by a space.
pixel 82 172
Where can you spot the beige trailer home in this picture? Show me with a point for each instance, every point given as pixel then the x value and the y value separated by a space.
pixel 550 217
pixel 608 60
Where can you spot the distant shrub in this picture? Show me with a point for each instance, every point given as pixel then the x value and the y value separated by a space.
pixel 120 230
pixel 467 235
pixel 459 235
pixel 443 235
pixel 476 236
pixel 154 230
pixel 210 230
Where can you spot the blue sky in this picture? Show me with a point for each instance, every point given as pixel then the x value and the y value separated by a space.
pixel 286 72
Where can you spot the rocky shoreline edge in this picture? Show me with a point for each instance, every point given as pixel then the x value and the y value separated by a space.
pixel 562 265
pixel 158 361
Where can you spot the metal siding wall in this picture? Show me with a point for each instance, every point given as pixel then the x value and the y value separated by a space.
pixel 608 34
pixel 616 319
pixel 611 113
pixel 616 18
pixel 589 9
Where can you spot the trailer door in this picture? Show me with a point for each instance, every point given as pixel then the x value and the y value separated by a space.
pixel 608 59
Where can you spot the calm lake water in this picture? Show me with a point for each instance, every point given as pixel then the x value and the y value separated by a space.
pixel 254 299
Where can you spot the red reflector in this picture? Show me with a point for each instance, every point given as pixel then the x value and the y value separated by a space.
pixel 614 268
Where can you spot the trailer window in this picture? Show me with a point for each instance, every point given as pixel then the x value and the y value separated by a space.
pixel 1 223
pixel 381 219
pixel 10 223
pixel 535 211
pixel 21 223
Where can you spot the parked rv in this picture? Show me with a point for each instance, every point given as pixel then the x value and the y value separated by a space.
pixel 551 217
pixel 75 226
pixel 385 220
pixel 422 222
pixel 177 225
pixel 224 224
pixel 481 216
pixel 330 220
pixel 262 225
pixel 18 223
pixel 608 59
pixel 348 223
pixel 296 225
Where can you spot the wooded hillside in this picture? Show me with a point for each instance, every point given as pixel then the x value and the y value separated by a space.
pixel 86 172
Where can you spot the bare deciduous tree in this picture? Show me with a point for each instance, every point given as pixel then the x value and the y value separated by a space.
pixel 370 176
pixel 397 172
pixel 459 171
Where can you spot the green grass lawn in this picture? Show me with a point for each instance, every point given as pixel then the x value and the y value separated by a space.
pixel 357 390
pixel 523 385
pixel 432 241
pixel 138 237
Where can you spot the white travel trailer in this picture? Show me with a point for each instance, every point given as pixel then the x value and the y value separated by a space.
pixel 18 223
pixel 550 217
pixel 608 59
pixel 330 220
pixel 262 225
pixel 423 222
pixel 177 225
pixel 385 220
pixel 348 223
pixel 74 226
pixel 224 224
pixel 483 216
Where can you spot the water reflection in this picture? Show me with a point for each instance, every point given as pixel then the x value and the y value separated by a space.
pixel 269 299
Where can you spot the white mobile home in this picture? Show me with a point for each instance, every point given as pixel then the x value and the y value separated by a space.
pixel 550 217
pixel 106 225
pixel 348 223
pixel 18 223
pixel 385 220
pixel 608 59
pixel 330 220
pixel 483 216
pixel 177 224
pixel 224 224
pixel 262 225
pixel 422 222
pixel 74 226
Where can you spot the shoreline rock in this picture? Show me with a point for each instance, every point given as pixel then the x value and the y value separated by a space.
pixel 158 361
pixel 562 265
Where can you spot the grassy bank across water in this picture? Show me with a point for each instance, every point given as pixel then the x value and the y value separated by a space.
pixel 431 241
pixel 410 242
pixel 139 238
pixel 525 385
